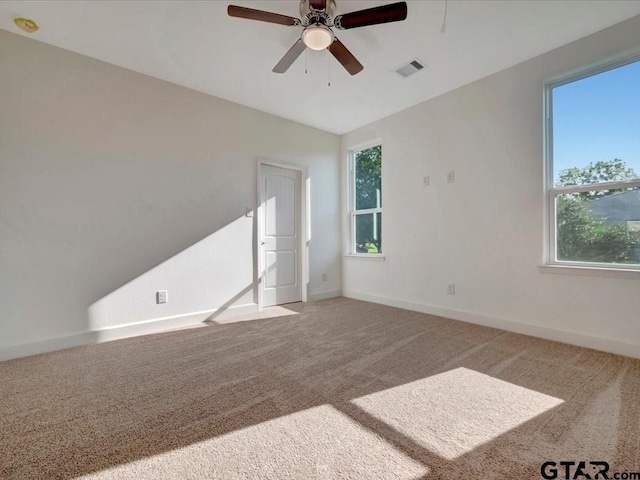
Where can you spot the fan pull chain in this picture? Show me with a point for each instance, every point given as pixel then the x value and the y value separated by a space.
pixel 329 64
pixel 305 61
pixel 444 18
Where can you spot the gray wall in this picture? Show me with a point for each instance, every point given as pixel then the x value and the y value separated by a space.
pixel 485 231
pixel 114 185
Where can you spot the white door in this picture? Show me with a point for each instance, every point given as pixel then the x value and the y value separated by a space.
pixel 279 235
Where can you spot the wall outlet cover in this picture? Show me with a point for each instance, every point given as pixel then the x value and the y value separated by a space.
pixel 162 296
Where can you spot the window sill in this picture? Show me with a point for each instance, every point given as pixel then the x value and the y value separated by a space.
pixel 372 258
pixel 591 271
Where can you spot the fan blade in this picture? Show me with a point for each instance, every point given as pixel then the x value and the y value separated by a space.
pixel 290 57
pixel 345 57
pixel 318 4
pixel 260 15
pixel 394 12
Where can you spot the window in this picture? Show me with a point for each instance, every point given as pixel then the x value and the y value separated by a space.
pixel 593 167
pixel 366 201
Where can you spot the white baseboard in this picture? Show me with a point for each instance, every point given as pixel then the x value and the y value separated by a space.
pixel 158 325
pixel 314 297
pixel 572 338
pixel 118 332
pixel 48 345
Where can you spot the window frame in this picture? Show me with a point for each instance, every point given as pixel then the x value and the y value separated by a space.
pixel 552 191
pixel 353 213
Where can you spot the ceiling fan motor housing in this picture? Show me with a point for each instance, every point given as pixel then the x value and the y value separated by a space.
pixel 307 13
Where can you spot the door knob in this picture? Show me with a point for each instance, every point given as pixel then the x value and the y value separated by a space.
pixel 263 243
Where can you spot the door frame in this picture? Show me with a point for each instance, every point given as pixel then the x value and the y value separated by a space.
pixel 303 204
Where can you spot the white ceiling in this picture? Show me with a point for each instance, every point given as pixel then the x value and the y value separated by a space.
pixel 195 44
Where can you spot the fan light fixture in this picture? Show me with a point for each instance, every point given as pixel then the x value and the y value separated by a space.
pixel 317 37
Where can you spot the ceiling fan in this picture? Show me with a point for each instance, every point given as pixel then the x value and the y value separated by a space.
pixel 317 20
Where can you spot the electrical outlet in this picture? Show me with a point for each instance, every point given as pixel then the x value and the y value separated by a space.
pixel 425 181
pixel 324 277
pixel 451 177
pixel 162 296
pixel 451 289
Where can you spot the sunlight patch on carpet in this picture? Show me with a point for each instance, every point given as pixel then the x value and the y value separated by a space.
pixel 318 443
pixel 453 413
pixel 267 312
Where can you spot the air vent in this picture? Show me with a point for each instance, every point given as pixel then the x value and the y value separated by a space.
pixel 410 68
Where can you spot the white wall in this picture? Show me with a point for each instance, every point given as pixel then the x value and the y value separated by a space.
pixel 485 231
pixel 114 185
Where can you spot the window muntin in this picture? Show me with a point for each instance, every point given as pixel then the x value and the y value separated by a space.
pixel 594 168
pixel 366 201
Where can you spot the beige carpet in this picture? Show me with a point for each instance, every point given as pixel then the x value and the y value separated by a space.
pixel 340 389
